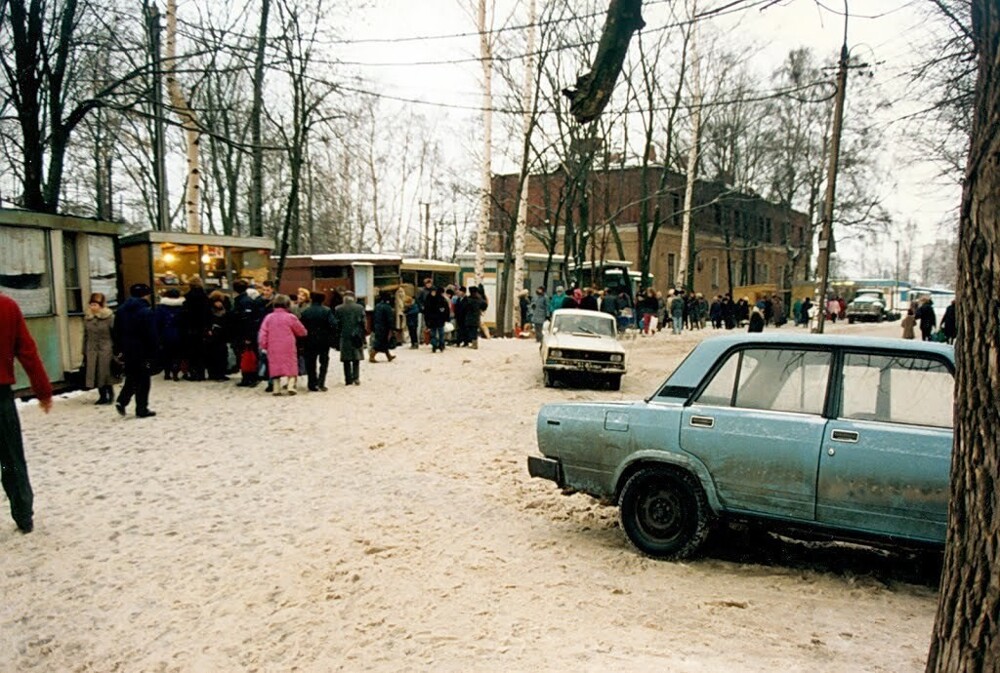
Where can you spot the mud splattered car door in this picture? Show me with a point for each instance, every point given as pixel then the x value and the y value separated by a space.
pixel 758 426
pixel 887 454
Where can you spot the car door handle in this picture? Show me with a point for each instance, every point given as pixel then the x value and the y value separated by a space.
pixel 703 421
pixel 844 436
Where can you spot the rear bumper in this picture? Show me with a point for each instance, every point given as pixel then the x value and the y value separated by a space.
pixel 545 468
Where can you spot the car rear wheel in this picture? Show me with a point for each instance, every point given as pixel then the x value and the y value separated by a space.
pixel 664 513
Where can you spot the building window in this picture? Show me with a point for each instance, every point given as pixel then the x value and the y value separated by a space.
pixel 71 268
pixel 677 209
pixel 765 273
pixel 713 267
pixel 103 270
pixel 24 269
pixel 671 269
pixel 767 230
pixel 785 227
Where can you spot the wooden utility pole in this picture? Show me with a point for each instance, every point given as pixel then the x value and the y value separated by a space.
pixel 826 233
pixel 486 55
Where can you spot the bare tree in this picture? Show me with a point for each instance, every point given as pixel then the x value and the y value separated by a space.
pixel 42 59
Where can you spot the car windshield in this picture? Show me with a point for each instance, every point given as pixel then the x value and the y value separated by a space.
pixel 868 296
pixel 584 324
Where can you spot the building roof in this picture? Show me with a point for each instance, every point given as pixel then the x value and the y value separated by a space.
pixel 348 257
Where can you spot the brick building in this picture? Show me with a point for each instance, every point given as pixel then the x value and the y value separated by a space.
pixel 739 239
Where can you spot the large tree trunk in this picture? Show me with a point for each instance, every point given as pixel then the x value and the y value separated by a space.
pixel 966 634
pixel 192 136
pixel 593 89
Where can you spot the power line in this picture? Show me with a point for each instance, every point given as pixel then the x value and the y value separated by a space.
pixel 729 8
pixel 764 96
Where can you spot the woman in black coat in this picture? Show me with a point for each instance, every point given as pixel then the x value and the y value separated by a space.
pixel 383 321
pixel 926 318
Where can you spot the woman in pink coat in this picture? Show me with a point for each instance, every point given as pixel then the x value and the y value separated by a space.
pixel 277 336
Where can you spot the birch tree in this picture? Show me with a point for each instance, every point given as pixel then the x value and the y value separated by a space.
pixel 683 277
pixel 530 107
pixel 189 123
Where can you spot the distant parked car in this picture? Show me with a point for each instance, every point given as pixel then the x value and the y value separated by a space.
pixel 845 437
pixel 867 305
pixel 582 344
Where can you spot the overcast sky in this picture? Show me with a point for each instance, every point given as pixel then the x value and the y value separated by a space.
pixel 880 32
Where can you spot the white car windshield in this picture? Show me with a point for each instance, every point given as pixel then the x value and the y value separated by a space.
pixel 584 324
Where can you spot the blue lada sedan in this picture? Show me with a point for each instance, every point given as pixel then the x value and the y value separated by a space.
pixel 847 437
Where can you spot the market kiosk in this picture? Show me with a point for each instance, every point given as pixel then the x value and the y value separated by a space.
pixel 166 259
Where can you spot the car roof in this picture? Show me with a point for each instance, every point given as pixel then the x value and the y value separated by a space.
pixel 583 312
pixel 693 368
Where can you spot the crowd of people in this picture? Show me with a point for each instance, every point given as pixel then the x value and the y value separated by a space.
pixel 653 311
pixel 260 334
pixel 921 315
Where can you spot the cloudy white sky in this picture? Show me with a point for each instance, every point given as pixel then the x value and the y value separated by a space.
pixel 885 33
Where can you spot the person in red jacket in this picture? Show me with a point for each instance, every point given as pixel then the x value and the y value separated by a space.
pixel 16 342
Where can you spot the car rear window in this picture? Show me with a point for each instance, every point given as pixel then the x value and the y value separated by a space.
pixel 897 389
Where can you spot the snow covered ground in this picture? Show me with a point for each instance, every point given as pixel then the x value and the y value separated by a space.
pixel 393 527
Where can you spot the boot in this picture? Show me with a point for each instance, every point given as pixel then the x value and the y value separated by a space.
pixel 371 356
pixel 390 356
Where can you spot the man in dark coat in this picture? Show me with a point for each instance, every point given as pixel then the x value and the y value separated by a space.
pixel 16 342
pixel 137 343
pixel 383 321
pixel 321 326
pixel 351 322
pixel 473 306
pixel 436 314
pixel 589 301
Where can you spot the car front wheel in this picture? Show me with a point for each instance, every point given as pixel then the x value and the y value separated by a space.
pixel 665 513
pixel 614 382
pixel 549 378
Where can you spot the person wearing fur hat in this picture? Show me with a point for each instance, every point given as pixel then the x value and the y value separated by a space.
pixel 98 348
pixel 137 343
